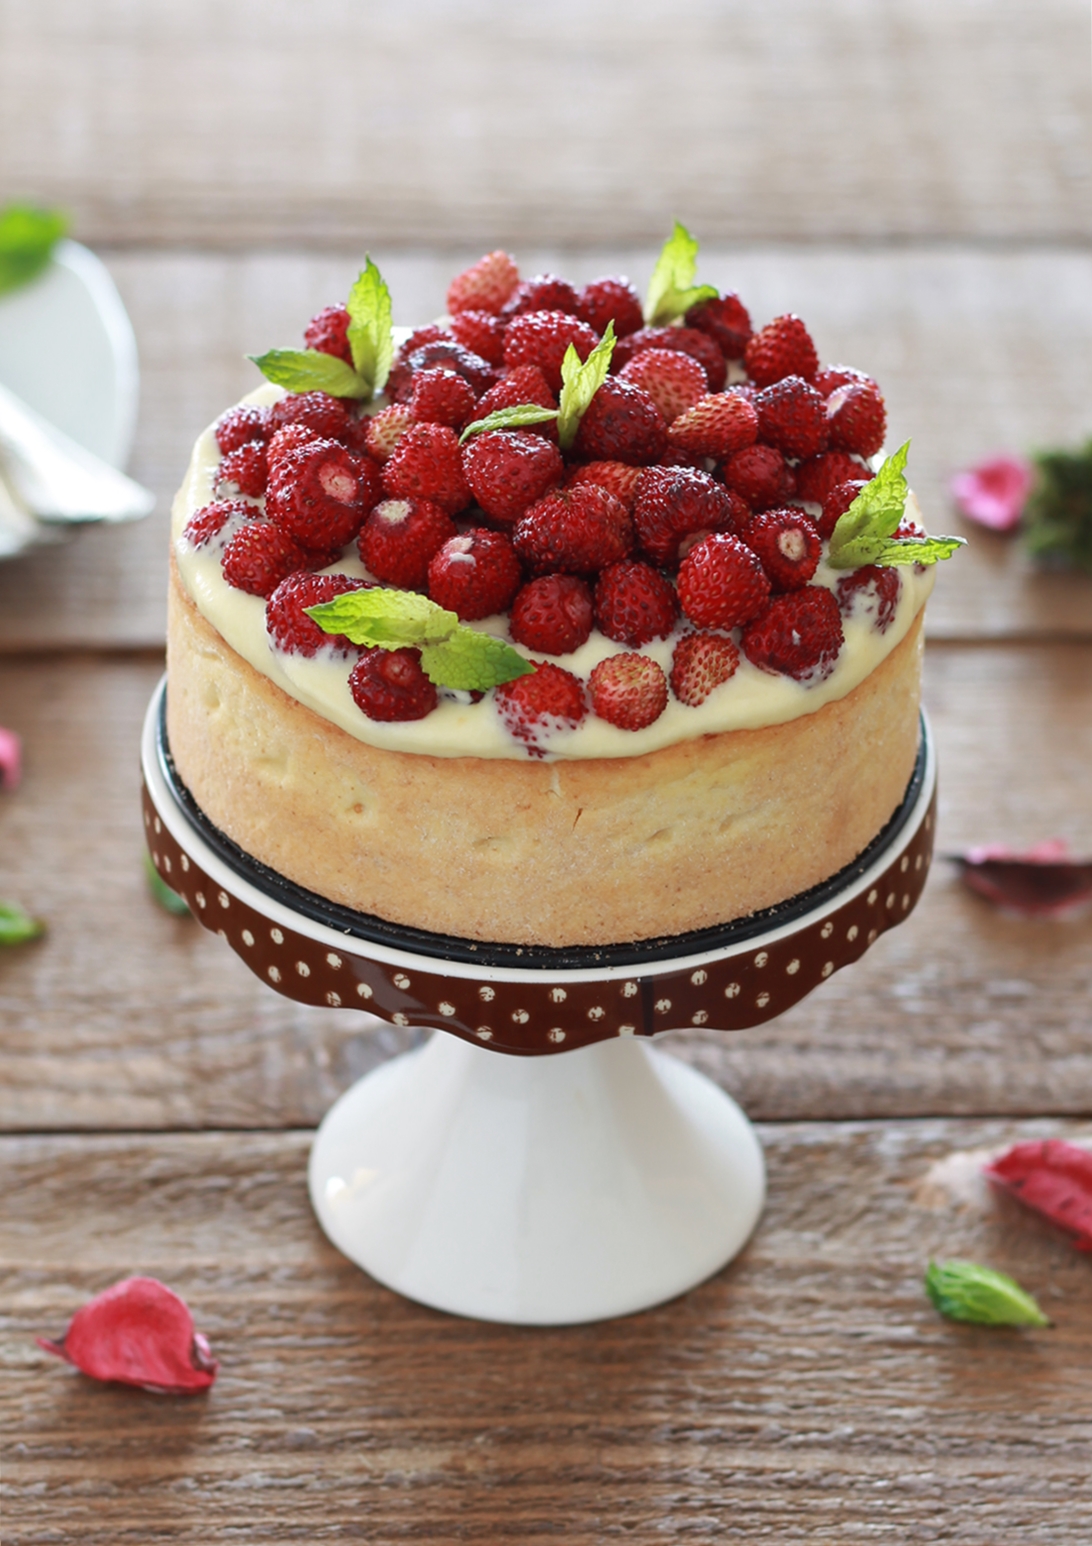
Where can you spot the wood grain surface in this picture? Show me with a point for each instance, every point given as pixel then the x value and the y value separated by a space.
pixel 807 1393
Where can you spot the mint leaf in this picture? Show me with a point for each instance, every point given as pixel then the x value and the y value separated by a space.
pixel 671 290
pixel 918 550
pixel 370 335
pixel 392 619
pixel 509 418
pixel 27 239
pixel 473 661
pixel 16 926
pixel 964 1291
pixel 865 534
pixel 580 380
pixel 309 370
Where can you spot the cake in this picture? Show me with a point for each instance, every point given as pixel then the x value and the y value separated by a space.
pixel 638 657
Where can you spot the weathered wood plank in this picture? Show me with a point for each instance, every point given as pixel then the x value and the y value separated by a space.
pixel 231 124
pixel 807 1393
pixel 126 1018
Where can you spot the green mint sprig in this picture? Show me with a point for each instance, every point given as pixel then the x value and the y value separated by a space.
pixel 371 342
pixel 580 380
pixel 16 926
pixel 452 655
pixel 1058 516
pixel 27 239
pixel 865 534
pixel 517 417
pixel 169 900
pixel 964 1291
pixel 671 290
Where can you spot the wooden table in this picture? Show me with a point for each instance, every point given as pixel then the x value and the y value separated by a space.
pixel 914 179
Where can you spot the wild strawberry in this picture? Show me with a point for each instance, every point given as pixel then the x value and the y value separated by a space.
pixel 431 333
pixel 243 471
pixel 552 614
pixel 574 531
pixel 548 699
pixel 621 424
pixel 759 475
pixel 427 463
pixel 718 424
pixel 326 415
pixel 448 354
pixel 721 583
pixel 634 603
pixel 726 321
pixel 383 430
pixel 485 286
pixel 787 545
pixel 442 396
pixel 857 418
pixel 873 589
pixel 792 417
pixel 675 507
pixel 327 332
pixel 837 503
pixel 617 477
pixel 674 381
pixel 818 475
pixel 399 382
pixel 782 348
pixel 611 299
pixel 525 384
pixel 218 522
pixel 798 635
pixel 390 685
pixel 290 438
pixel 240 424
pixel 259 556
pixel 629 691
pixel 400 538
pixel 475 574
pixel 545 292
pixel 320 493
pixel 700 663
pixel 481 333
pixel 507 470
pixel 287 623
pixel 542 338
pixel 831 377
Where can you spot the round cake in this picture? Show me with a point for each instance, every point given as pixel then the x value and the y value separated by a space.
pixel 566 623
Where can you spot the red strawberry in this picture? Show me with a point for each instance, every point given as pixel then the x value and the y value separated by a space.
pixel 390 685
pixel 525 384
pixel 782 348
pixel 798 635
pixel 431 333
pixel 485 286
pixel 481 333
pixel 400 538
pixel 629 691
pixel 701 662
pixel 621 424
pixel 831 377
pixel 383 430
pixel 320 493
pixel 873 588
pixel 218 521
pixel 787 545
pixel 545 292
pixel 674 381
pixel 726 321
pixel 448 354
pixel 442 396
pixel 677 506
pixel 792 417
pixel 259 556
pixel 721 583
pixel 618 477
pixel 354 437
pixel 427 463
pixel 759 475
pixel 718 424
pixel 837 503
pixel 328 332
pixel 244 470
pixel 542 337
pixel 287 623
pixel 688 340
pixel 549 699
pixel 634 603
pixel 611 299
pixel 240 424
pixel 507 470
pixel 326 415
pixel 857 418
pixel 290 438
pixel 552 614
pixel 816 477
pixel 475 574
pixel 574 531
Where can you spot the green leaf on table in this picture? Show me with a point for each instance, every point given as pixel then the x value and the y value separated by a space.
pixel 1057 520
pixel 472 661
pixel 965 1291
pixel 580 380
pixel 27 238
pixel 516 417
pixel 169 900
pixel 309 370
pixel 371 336
pixel 865 534
pixel 16 926
pixel 671 290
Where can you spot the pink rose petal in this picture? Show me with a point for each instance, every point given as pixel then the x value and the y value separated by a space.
pixel 1054 1178
pixel 1041 882
pixel 138 1333
pixel 11 759
pixel 994 493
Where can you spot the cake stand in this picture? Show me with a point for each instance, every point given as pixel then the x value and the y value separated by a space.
pixel 540 1162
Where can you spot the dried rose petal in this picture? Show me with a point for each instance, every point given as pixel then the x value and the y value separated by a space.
pixel 994 493
pixel 11 759
pixel 1041 882
pixel 1055 1179
pixel 138 1333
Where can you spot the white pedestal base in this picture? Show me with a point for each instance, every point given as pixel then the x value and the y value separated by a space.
pixel 538 1190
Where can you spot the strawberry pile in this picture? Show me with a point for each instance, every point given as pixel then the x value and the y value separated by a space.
pixel 691 501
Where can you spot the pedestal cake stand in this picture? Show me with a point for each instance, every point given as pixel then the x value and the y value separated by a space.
pixel 484 1173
